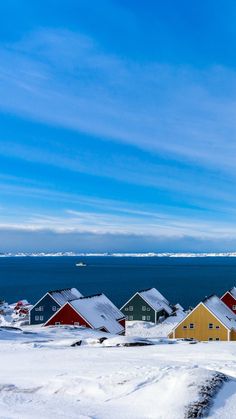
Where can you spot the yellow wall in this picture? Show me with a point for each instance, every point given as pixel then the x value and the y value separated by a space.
pixel 201 317
pixel 233 335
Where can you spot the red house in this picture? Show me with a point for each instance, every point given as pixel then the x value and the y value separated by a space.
pixel 95 312
pixel 229 298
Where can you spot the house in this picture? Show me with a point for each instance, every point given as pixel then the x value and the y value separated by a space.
pixel 50 303
pixel 95 312
pixel 147 305
pixel 229 298
pixel 210 320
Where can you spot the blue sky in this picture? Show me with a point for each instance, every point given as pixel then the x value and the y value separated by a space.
pixel 117 125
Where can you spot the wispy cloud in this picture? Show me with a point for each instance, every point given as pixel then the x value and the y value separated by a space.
pixel 65 78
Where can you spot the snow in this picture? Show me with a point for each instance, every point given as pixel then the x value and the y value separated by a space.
pixel 221 311
pixel 44 374
pixel 100 312
pixel 62 296
pixel 156 300
pixel 232 291
pixel 147 254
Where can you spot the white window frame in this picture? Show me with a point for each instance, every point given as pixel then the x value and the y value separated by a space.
pixel 217 326
pixel 131 308
pixel 143 318
pixel 144 308
pixel 57 323
pixel 217 339
pixel 126 308
pixel 36 318
pixel 234 307
pixel 210 339
pixel 148 318
pixel 131 318
pixel 185 327
pixel 41 318
pixel 54 308
pixel 191 326
pixel 148 309
pixel 210 326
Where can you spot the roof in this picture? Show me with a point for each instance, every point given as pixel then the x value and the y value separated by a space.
pixel 232 291
pixel 100 312
pixel 221 311
pixel 64 295
pixel 156 300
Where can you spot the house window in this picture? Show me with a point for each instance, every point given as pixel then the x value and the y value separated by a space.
pixel 126 308
pixel 41 318
pixel 131 318
pixel 217 327
pixel 184 327
pixel 143 317
pixel 217 338
pixel 131 308
pixel 57 323
pixel 210 325
pixel 191 325
pixel 148 318
pixel 36 318
pixel 143 308
pixel 39 308
pixel 77 324
pixel 54 308
pixel 210 339
pixel 234 307
pixel 148 308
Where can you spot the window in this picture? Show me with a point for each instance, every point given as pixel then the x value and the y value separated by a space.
pixel 41 318
pixel 39 308
pixel 57 323
pixel 210 339
pixel 126 308
pixel 217 338
pixel 148 308
pixel 36 318
pixel 143 308
pixel 143 317
pixel 210 325
pixel 130 317
pixel 148 318
pixel 234 307
pixel 184 327
pixel 54 308
pixel 217 327
pixel 191 325
pixel 76 323
pixel 131 308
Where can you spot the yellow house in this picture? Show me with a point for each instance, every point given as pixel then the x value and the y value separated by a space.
pixel 210 320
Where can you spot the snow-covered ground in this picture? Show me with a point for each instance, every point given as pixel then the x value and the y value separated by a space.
pixel 44 374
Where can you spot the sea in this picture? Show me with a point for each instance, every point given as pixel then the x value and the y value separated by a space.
pixel 181 280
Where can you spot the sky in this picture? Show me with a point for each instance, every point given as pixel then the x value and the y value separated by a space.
pixel 117 125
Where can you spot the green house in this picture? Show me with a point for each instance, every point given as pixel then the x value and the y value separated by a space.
pixel 147 305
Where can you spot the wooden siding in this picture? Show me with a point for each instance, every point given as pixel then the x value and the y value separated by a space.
pixel 134 308
pixel 43 310
pixel 201 318
pixel 67 316
pixel 229 300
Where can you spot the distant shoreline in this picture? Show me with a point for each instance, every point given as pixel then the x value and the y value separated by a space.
pixel 133 255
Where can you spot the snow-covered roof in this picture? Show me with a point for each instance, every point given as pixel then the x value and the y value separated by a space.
pixel 156 300
pixel 100 312
pixel 233 292
pixel 64 295
pixel 221 311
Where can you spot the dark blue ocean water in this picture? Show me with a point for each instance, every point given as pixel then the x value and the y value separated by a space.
pixel 183 280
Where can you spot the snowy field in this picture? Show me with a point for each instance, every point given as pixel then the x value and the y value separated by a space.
pixel 44 376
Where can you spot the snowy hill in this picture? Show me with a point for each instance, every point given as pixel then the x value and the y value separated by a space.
pixel 72 372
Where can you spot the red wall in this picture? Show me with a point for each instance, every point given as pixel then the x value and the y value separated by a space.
pixel 229 300
pixel 67 315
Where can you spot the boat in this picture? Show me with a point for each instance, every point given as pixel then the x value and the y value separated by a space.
pixel 80 264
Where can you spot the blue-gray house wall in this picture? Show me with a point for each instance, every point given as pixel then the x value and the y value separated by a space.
pixel 43 310
pixel 138 309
